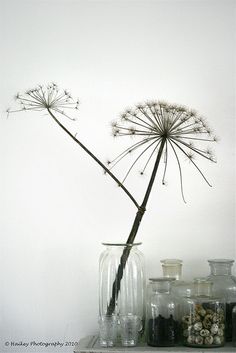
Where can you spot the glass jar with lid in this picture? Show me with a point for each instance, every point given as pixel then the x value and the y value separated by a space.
pixel 162 314
pixel 203 317
pixel 173 268
pixel 224 285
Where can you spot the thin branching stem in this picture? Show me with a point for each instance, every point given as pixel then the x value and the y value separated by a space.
pixel 94 158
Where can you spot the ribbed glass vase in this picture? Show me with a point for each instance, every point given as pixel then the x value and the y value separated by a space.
pixel 122 286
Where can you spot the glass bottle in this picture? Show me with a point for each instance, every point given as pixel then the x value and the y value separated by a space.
pixel 162 314
pixel 173 268
pixel 128 294
pixel 234 326
pixel 203 320
pixel 224 284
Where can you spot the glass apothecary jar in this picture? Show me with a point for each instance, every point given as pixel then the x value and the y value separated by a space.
pixel 162 314
pixel 121 293
pixel 173 268
pixel 203 317
pixel 234 326
pixel 224 285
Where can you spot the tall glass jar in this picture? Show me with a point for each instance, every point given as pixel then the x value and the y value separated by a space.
pixel 224 284
pixel 122 286
pixel 173 268
pixel 162 314
pixel 203 320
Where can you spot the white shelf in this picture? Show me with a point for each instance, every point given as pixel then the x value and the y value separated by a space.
pixel 90 344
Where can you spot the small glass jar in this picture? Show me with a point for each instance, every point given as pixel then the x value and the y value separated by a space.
pixel 224 285
pixel 162 314
pixel 173 268
pixel 203 320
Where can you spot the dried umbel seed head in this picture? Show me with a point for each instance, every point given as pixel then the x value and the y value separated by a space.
pixel 154 121
pixel 46 97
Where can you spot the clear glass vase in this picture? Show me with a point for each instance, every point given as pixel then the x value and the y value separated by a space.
pixel 173 268
pixel 224 285
pixel 203 317
pixel 122 292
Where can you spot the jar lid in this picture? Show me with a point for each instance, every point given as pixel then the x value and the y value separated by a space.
pixel 202 280
pixel 171 261
pixel 161 279
pixel 202 287
pixel 222 261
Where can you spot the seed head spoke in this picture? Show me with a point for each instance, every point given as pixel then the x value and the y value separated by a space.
pixel 192 162
pixel 136 160
pixel 166 161
pixel 180 171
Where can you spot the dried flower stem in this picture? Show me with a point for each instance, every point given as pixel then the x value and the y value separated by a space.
pixel 94 157
pixel 133 232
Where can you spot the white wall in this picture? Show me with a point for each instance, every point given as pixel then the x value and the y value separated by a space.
pixel 56 205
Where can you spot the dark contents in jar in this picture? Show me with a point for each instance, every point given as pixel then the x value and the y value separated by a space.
pixel 163 332
pixel 228 323
pixel 234 327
